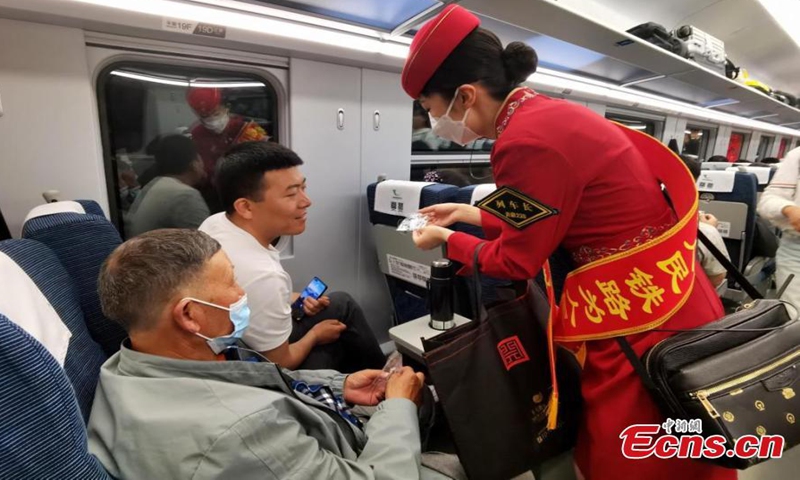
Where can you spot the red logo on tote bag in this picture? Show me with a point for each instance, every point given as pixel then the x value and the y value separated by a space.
pixel 512 352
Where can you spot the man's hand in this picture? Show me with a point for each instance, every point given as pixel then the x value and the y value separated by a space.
pixel 792 213
pixel 327 331
pixel 406 384
pixel 709 219
pixel 312 307
pixel 362 388
pixel 431 237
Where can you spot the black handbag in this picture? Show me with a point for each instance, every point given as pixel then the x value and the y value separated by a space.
pixel 738 374
pixel 492 378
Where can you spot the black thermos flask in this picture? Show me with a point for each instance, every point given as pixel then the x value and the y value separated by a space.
pixel 440 294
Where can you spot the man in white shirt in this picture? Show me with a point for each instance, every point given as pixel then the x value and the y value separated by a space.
pixel 780 204
pixel 264 196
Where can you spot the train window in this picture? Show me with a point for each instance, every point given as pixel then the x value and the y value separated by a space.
pixel 424 141
pixel 646 126
pixel 459 175
pixel 764 147
pixel 164 130
pixel 784 146
pixel 696 141
pixel 736 146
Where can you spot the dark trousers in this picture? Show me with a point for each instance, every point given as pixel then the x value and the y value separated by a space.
pixel 357 347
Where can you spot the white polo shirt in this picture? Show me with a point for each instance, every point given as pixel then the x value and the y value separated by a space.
pixel 258 270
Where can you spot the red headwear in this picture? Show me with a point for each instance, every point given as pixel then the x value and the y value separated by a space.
pixel 203 100
pixel 433 43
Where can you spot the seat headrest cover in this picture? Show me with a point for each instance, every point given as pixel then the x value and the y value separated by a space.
pixel 399 197
pixel 481 191
pixel 67 206
pixel 762 173
pixel 26 305
pixel 716 181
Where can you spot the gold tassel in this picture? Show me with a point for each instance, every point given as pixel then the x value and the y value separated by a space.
pixel 552 411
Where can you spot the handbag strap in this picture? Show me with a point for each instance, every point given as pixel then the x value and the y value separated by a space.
pixel 636 363
pixel 476 280
pixel 737 275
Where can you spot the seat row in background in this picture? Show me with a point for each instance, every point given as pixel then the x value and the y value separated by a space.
pixel 407 268
pixel 732 195
pixel 53 340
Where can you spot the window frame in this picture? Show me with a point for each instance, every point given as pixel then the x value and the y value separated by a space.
pixel 101 78
pixel 770 143
pixel 745 143
pixel 658 121
pixel 713 132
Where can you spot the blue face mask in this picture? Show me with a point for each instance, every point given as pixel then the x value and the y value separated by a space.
pixel 240 318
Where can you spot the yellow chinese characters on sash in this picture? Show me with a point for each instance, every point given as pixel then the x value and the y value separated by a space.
pixel 641 288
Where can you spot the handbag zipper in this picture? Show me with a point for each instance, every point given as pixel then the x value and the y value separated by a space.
pixel 702 395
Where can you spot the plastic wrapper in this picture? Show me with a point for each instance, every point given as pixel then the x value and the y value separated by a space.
pixel 413 223
pixel 393 364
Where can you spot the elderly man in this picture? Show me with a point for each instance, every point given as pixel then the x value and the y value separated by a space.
pixel 185 399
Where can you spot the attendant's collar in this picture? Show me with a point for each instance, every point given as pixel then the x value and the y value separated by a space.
pixel 517 97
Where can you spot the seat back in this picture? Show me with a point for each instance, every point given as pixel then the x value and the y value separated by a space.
pixel 405 267
pixel 42 434
pixel 35 282
pixel 763 174
pixel 82 242
pixel 731 196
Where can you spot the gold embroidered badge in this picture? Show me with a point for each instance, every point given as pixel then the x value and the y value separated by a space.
pixel 515 208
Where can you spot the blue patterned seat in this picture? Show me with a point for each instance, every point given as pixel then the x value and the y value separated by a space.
pixel 82 242
pixel 92 207
pixel 84 355
pixel 42 434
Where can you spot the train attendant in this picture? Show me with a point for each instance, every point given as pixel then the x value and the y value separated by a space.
pixel 568 177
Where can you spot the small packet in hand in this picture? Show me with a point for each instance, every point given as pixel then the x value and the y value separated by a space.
pixel 413 223
pixel 393 364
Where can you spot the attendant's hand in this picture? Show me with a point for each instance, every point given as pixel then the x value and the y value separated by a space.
pixel 327 331
pixel 792 213
pixel 312 307
pixel 364 387
pixel 406 384
pixel 431 237
pixel 446 214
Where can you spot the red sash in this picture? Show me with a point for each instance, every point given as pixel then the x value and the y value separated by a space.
pixel 635 290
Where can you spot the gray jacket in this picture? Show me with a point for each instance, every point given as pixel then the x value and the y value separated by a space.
pixel 160 418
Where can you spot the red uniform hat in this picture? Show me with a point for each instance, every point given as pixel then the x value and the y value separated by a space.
pixel 433 43
pixel 204 100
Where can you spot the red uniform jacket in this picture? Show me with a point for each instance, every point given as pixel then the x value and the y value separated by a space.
pixel 571 159
pixel 212 146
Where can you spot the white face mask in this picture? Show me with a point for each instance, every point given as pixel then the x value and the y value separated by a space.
pixel 216 123
pixel 454 130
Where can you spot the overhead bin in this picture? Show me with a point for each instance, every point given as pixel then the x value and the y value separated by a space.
pixel 623 59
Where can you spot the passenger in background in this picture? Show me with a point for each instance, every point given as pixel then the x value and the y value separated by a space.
pixel 422 137
pixel 184 399
pixel 171 199
pixel 718 158
pixel 780 204
pixel 218 129
pixel 770 160
pixel 708 225
pixel 264 196
pixel 448 176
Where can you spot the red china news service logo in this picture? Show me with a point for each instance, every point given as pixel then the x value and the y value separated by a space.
pixel 643 441
pixel 512 352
